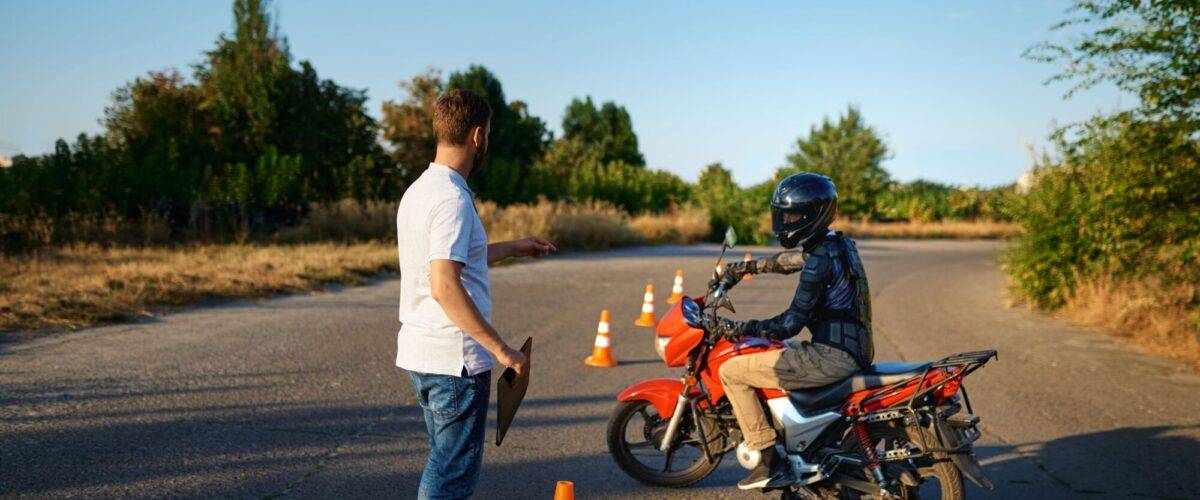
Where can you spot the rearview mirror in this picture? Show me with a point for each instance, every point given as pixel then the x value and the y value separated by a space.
pixel 730 237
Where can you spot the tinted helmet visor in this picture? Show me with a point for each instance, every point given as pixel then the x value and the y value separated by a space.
pixel 800 223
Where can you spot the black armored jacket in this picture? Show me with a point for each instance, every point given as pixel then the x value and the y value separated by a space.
pixel 832 298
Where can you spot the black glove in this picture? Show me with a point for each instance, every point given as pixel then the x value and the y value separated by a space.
pixel 732 274
pixel 730 329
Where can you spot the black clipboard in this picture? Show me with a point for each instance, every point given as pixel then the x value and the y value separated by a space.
pixel 510 391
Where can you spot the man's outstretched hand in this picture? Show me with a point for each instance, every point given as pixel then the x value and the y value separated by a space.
pixel 532 247
pixel 525 247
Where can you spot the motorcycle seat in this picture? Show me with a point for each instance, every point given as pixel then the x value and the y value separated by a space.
pixel 877 375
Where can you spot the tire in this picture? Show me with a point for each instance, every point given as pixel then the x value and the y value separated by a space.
pixel 949 479
pixel 935 466
pixel 624 415
pixel 941 467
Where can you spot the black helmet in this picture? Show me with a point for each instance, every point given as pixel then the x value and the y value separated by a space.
pixel 801 209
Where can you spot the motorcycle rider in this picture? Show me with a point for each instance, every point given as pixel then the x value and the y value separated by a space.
pixel 832 301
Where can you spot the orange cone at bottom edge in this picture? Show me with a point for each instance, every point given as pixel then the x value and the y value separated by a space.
pixel 565 490
pixel 602 351
pixel 647 318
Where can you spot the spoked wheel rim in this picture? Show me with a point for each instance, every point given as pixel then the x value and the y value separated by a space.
pixel 643 430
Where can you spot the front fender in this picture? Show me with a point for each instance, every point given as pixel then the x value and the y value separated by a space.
pixel 660 392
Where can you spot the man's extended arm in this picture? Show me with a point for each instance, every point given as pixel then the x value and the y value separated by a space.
pixel 785 262
pixel 798 314
pixel 445 283
pixel 525 247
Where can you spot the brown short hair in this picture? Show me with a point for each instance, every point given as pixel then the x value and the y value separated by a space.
pixel 455 113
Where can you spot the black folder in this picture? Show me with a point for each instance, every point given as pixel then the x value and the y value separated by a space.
pixel 510 391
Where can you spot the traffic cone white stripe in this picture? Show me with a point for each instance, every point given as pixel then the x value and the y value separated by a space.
pixel 603 328
pixel 603 341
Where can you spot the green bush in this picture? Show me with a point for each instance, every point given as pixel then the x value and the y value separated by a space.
pixel 574 171
pixel 1122 201
pixel 926 201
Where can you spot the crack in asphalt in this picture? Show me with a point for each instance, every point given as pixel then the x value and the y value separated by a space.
pixel 326 459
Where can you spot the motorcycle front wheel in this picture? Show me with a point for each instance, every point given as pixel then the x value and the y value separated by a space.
pixel 634 432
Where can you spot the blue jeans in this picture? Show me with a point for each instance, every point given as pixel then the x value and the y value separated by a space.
pixel 456 411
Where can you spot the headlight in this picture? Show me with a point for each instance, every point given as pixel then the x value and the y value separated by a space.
pixel 660 346
pixel 691 313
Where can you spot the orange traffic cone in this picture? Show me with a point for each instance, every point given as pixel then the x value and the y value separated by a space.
pixel 677 288
pixel 565 490
pixel 602 352
pixel 747 258
pixel 647 317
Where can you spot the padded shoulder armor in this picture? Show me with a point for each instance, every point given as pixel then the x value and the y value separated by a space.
pixel 813 276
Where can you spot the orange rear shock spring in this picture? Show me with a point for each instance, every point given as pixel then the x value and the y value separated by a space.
pixel 864 439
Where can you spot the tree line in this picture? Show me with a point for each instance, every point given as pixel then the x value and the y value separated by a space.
pixel 250 140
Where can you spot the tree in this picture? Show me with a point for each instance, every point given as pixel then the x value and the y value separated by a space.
pixel 608 128
pixel 265 112
pixel 851 153
pixel 1151 49
pixel 408 126
pixel 161 131
pixel 517 138
pixel 726 203
pixel 327 127
pixel 241 81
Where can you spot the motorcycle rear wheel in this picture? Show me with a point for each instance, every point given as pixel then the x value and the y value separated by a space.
pixel 640 419
pixel 935 467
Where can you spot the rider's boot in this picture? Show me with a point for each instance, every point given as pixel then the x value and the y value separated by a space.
pixel 772 472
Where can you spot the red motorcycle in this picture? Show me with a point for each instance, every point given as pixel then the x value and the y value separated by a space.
pixel 886 431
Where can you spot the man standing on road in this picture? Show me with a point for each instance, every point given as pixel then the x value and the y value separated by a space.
pixel 445 302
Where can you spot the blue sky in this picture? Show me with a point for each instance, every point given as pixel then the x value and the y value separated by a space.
pixel 735 82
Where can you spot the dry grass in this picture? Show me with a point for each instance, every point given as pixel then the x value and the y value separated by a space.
pixel 344 221
pixel 688 225
pixel 87 285
pixel 1160 319
pixel 947 229
pixel 591 226
pixel 573 226
pixel 84 285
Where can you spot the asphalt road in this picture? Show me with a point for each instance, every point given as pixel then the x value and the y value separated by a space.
pixel 298 396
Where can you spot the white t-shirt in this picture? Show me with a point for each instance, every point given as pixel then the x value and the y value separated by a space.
pixel 437 220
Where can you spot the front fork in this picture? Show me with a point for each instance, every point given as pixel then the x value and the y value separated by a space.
pixel 676 418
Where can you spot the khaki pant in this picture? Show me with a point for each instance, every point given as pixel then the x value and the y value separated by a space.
pixel 803 365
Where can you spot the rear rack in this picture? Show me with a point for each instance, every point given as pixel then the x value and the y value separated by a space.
pixel 968 362
pixel 977 357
